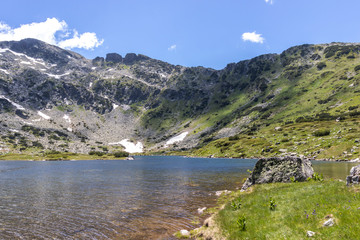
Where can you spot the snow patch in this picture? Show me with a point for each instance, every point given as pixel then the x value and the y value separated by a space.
pixel 115 106
pixel 13 130
pixel 27 63
pixel 129 146
pixel 18 106
pixel 36 120
pixel 90 85
pixel 69 129
pixel 67 119
pixel 2 50
pixel 177 138
pixel 43 115
pixel 5 71
pixel 93 68
pixel 57 76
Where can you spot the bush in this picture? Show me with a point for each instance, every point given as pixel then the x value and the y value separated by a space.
pixel 241 223
pixel 120 154
pixel 321 66
pixel 96 153
pixel 272 204
pixel 236 204
pixel 357 68
pixel 320 133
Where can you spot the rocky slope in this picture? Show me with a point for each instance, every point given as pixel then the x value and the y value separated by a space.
pixel 54 99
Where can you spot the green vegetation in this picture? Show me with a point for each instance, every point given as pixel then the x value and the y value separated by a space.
pixel 300 207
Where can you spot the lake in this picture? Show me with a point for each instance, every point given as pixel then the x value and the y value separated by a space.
pixel 149 198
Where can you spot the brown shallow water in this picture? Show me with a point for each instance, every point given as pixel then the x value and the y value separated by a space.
pixel 149 198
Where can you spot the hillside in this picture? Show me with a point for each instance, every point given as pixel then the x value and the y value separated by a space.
pixel 303 101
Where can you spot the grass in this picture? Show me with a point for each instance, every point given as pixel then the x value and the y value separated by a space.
pixel 300 207
pixel 306 138
pixel 61 156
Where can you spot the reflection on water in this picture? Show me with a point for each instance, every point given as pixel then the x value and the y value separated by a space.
pixel 336 170
pixel 149 198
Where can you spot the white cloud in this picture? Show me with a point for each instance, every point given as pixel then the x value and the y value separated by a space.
pixel 253 37
pixel 51 31
pixel 172 47
pixel 86 40
pixel 269 1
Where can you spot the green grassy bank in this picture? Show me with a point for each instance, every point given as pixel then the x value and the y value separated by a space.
pixel 296 209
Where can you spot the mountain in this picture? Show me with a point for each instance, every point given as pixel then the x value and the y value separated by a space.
pixel 52 99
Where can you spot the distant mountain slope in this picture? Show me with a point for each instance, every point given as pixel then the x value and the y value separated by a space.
pixel 54 99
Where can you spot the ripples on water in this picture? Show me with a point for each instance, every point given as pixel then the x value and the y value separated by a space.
pixel 149 198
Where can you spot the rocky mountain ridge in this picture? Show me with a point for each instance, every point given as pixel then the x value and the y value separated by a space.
pixel 54 99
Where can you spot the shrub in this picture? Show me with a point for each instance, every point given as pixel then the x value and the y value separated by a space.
pixel 121 154
pixel 322 132
pixel 236 204
pixel 241 223
pixel 321 66
pixel 96 153
pixel 357 68
pixel 352 108
pixel 272 204
pixel 234 138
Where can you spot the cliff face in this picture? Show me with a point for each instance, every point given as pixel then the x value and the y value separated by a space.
pixel 56 99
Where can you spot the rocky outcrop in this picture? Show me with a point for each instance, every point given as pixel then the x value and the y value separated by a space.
pixel 354 176
pixel 114 57
pixel 279 169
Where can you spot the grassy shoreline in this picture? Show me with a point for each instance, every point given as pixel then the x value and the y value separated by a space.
pixel 300 207
pixel 56 157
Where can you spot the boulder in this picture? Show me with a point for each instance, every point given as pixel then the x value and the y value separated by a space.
pixel 279 169
pixel 354 176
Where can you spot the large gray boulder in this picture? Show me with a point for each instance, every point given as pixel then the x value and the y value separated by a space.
pixel 279 169
pixel 354 176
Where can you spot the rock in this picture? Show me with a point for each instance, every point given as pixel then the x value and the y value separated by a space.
pixel 218 193
pixel 185 233
pixel 279 169
pixel 278 128
pixel 98 61
pixel 328 223
pixel 354 176
pixel 282 150
pixel 201 210
pixel 310 233
pixel 114 57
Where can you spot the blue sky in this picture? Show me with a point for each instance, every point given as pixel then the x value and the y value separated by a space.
pixel 186 32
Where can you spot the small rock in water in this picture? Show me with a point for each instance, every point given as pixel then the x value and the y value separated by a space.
pixel 329 223
pixel 310 233
pixel 185 233
pixel 218 193
pixel 201 210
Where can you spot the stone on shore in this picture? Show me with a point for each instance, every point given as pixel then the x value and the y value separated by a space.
pixel 354 176
pixel 185 233
pixel 279 169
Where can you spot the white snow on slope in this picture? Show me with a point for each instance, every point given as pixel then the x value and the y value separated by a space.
pixel 129 146
pixel 5 71
pixel 57 76
pixel 67 118
pixel 115 106
pixel 177 138
pixel 38 61
pixel 43 115
pixel 18 106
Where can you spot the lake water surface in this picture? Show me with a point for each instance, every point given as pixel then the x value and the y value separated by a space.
pixel 149 198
